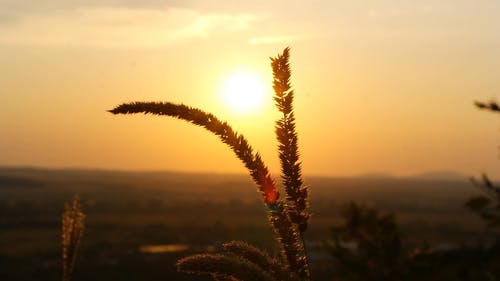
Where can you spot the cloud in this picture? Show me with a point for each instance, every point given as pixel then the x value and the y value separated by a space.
pixel 120 27
pixel 272 39
pixel 42 6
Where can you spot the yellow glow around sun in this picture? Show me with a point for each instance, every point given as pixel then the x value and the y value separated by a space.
pixel 244 91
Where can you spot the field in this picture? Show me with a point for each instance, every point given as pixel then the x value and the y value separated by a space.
pixel 139 223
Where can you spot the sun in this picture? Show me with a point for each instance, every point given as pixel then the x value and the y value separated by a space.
pixel 243 91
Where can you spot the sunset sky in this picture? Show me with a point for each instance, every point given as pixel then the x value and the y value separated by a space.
pixel 381 86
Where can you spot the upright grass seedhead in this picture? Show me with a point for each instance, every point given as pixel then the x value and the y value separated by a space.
pixel 287 218
pixel 296 192
pixel 292 244
pixel 73 223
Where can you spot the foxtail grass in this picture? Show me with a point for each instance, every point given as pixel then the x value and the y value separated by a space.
pixel 288 217
pixel 296 192
pixel 73 224
pixel 237 142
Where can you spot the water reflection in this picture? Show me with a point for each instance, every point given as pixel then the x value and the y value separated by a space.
pixel 166 248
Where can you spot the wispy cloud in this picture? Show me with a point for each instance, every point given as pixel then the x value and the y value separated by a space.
pixel 120 27
pixel 272 39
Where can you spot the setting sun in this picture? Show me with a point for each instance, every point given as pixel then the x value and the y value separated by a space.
pixel 243 91
pixel 249 140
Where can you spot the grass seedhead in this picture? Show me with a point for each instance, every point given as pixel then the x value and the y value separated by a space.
pixel 288 217
pixel 73 224
pixel 296 192
pixel 223 266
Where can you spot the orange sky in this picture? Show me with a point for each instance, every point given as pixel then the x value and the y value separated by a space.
pixel 381 86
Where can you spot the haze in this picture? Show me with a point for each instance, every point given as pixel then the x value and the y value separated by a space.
pixel 381 86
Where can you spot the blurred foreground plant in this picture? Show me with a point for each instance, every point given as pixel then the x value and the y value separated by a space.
pixel 73 224
pixel 368 246
pixel 288 217
pixel 488 205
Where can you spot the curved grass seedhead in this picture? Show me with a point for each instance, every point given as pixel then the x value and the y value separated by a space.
pixel 261 259
pixel 288 217
pixel 232 264
pixel 237 142
pixel 223 267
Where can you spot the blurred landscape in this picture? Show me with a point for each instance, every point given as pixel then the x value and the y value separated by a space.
pixel 139 223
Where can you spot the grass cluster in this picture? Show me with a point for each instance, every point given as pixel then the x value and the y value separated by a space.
pixel 287 216
pixel 379 253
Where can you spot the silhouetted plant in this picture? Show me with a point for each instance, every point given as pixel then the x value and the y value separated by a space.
pixel 368 246
pixel 296 192
pixel 288 217
pixel 240 261
pixel 492 105
pixel 487 206
pixel 73 224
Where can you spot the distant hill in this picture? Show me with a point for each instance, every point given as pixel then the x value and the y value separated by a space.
pixel 442 175
pixel 426 187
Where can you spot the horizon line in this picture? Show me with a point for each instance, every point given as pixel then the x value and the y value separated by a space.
pixel 436 174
